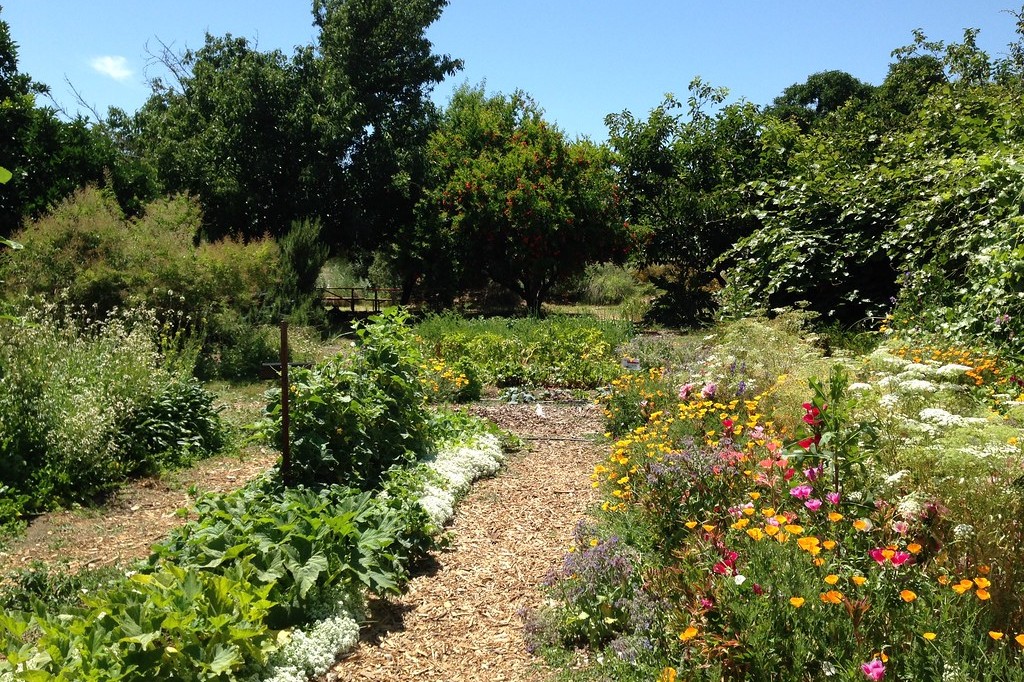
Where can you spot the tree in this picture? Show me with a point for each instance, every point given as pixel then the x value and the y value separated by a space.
pixel 264 139
pixel 516 201
pixel 683 182
pixel 240 134
pixel 821 94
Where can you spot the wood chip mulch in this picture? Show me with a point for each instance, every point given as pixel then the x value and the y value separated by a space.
pixel 460 621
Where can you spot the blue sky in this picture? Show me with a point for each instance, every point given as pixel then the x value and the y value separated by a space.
pixel 580 59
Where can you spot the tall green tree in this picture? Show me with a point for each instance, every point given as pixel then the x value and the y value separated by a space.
pixel 264 139
pixel 821 94
pixel 683 175
pixel 514 199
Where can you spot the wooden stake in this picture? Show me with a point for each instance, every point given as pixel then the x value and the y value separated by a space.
pixel 286 450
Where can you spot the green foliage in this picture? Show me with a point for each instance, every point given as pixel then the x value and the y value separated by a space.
pixel 173 624
pixel 821 94
pixel 86 251
pixel 516 201
pixel 85 403
pixel 608 283
pixel 558 351
pixel 302 545
pixel 681 185
pixel 354 417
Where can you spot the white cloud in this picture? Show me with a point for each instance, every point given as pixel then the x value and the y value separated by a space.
pixel 115 67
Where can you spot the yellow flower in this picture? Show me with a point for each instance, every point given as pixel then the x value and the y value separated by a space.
pixel 995 635
pixel 832 597
pixel 983 594
pixel 809 544
pixel 768 511
pixel 859 580
pixel 708 527
pixel 907 595
pixel 688 634
pixel 755 496
pixel 794 529
pixel 690 524
pixel 835 517
pixel 755 533
pixel 982 583
pixel 943 579
pixel 863 525
pixel 741 524
pixel 831 579
pixel 749 511
pixel 1019 639
pixel 913 548
pixel 771 530
pixel 818 562
pixel 929 636
pixel 829 544
pixel 963 586
pixel 667 675
pixel 796 601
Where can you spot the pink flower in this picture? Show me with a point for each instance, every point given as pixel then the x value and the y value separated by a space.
pixel 708 391
pixel 874 670
pixel 900 527
pixel 813 473
pixel 833 498
pixel 801 492
pixel 685 390
pixel 813 504
pixel 877 555
pixel 900 558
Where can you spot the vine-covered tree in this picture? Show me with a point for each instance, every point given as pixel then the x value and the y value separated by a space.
pixel 515 200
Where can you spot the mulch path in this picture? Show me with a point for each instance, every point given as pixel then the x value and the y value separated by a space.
pixel 460 621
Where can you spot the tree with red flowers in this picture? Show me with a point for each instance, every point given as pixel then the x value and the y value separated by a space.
pixel 515 200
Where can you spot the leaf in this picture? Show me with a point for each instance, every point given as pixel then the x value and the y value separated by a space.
pixel 307 574
pixel 224 659
pixel 5 175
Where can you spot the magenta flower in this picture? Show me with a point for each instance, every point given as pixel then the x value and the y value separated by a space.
pixel 900 558
pixel 833 498
pixel 813 473
pixel 874 670
pixel 813 504
pixel 801 492
pixel 877 555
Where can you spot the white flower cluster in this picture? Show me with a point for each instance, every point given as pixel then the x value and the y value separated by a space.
pixel 911 506
pixel 889 401
pixel 951 371
pixel 311 653
pixel 990 450
pixel 917 386
pixel 860 387
pixel 939 416
pixel 459 465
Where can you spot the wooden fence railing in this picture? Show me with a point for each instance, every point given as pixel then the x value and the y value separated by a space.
pixel 357 299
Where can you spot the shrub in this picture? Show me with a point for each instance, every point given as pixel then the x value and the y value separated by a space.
pixel 354 417
pixel 85 403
